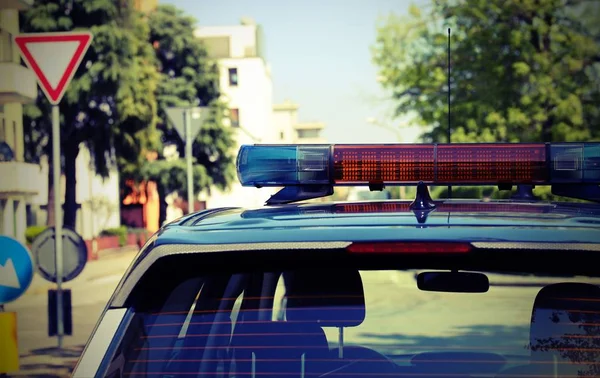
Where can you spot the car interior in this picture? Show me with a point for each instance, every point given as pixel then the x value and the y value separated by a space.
pixel 233 326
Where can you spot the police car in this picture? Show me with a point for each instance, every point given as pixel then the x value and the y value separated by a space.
pixel 418 288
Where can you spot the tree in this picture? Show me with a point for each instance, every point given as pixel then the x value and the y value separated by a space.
pixel 110 104
pixel 521 70
pixel 187 78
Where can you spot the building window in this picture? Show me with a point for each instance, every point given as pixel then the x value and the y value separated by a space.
pixel 308 133
pixel 16 142
pixel 6 53
pixel 281 135
pixel 235 117
pixel 233 77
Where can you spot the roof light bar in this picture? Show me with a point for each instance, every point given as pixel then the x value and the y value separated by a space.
pixel 406 164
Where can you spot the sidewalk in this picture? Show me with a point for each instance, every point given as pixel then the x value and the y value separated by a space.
pixel 39 355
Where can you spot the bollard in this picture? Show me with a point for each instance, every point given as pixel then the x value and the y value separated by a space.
pixel 9 347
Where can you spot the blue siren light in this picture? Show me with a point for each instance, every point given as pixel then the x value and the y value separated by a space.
pixel 408 164
pixel 270 165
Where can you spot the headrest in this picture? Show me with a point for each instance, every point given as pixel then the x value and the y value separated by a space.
pixel 561 312
pixel 332 298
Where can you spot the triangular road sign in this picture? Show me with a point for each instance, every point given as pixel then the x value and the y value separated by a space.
pixel 198 115
pixel 54 58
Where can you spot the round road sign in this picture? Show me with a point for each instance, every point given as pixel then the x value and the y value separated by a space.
pixel 74 254
pixel 16 269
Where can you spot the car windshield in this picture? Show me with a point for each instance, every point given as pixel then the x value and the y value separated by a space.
pixel 360 321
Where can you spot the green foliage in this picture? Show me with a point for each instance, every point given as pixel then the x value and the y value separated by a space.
pixel 111 98
pixel 172 175
pixel 114 231
pixel 543 193
pixel 32 232
pixel 110 105
pixel 470 192
pixel 187 78
pixel 522 71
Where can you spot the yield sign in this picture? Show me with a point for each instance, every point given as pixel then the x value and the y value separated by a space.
pixel 197 116
pixel 54 58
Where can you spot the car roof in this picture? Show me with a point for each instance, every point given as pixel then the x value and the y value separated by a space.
pixel 451 220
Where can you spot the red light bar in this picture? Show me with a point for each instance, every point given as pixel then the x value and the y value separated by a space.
pixel 460 163
pixel 400 207
pixel 410 247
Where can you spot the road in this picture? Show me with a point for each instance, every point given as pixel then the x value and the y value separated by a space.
pixel 400 318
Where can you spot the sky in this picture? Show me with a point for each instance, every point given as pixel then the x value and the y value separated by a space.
pixel 320 57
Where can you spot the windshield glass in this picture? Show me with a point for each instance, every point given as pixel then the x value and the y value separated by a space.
pixel 359 322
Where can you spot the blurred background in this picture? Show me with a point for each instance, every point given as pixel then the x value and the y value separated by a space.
pixel 334 71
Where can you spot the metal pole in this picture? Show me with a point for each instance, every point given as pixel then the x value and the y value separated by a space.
pixel 188 156
pixel 58 220
pixel 449 108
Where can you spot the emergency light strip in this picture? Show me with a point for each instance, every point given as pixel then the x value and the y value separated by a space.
pixel 406 164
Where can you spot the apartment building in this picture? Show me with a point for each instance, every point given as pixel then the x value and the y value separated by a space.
pixel 246 85
pixel 290 130
pixel 17 87
pixel 145 6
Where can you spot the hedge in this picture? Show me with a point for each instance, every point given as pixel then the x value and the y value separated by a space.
pixel 121 232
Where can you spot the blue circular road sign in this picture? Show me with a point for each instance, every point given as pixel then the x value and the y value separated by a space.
pixel 74 254
pixel 16 269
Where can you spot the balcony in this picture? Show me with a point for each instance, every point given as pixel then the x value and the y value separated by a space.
pixel 17 84
pixel 18 178
pixel 16 4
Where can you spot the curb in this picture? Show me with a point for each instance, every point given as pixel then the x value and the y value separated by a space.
pixel 114 252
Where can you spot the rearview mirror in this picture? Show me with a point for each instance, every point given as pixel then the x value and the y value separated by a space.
pixel 453 282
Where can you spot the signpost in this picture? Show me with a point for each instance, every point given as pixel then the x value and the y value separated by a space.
pixel 16 273
pixel 54 58
pixel 74 254
pixel 188 122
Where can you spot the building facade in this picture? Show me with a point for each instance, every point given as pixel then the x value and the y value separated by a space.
pixel 290 130
pixel 145 6
pixel 17 87
pixel 246 85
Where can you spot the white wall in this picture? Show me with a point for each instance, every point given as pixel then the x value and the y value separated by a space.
pixel 99 198
pixel 253 96
pixel 284 121
pixel 241 37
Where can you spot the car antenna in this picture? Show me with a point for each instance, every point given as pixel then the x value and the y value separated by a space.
pixel 449 108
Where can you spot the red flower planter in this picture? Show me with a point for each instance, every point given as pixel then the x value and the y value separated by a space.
pixel 131 239
pixel 108 242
